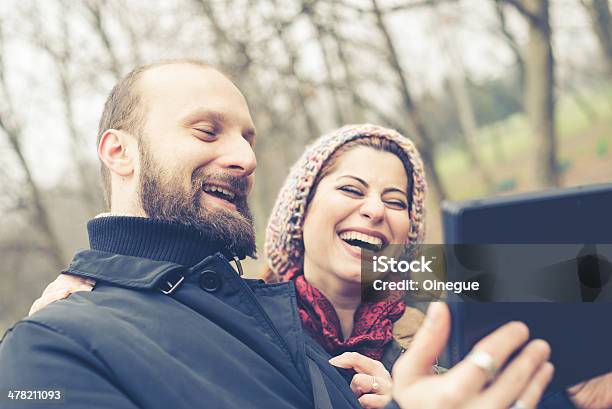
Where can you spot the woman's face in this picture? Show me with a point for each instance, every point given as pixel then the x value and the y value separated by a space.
pixel 362 203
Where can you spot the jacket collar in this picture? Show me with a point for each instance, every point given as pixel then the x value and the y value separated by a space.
pixel 152 239
pixel 132 272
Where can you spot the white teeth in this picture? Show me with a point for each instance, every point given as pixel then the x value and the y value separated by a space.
pixel 212 188
pixel 355 235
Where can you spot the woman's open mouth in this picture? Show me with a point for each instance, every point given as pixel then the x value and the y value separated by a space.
pixel 358 241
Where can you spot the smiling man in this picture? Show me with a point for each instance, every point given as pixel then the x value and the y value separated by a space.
pixel 170 322
pixel 180 150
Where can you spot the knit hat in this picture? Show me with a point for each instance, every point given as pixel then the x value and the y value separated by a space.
pixel 284 246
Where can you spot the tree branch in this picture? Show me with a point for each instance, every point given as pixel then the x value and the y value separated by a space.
pixel 533 18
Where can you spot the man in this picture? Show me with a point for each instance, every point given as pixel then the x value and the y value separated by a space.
pixel 171 323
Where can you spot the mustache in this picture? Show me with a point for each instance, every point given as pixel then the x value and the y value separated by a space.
pixel 238 184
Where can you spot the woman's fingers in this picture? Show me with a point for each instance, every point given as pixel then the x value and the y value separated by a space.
pixel 372 383
pixel 525 378
pixel 499 345
pixel 363 383
pixel 60 288
pixel 371 401
pixel 45 300
pixel 69 282
pixel 595 393
pixel 361 364
pixel 428 344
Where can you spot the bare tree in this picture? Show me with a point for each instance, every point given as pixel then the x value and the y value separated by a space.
pixel 13 131
pixel 422 136
pixel 121 13
pixel 301 86
pixel 350 82
pixel 459 92
pixel 96 18
pixel 599 12
pixel 61 54
pixel 512 42
pixel 539 96
pixel 310 12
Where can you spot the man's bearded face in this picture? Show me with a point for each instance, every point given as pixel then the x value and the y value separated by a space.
pixel 163 198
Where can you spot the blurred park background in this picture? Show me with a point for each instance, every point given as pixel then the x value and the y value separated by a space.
pixel 501 96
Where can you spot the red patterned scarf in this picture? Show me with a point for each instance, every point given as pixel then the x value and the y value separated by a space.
pixel 372 330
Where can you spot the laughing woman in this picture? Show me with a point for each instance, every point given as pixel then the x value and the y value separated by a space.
pixel 364 187
pixel 360 186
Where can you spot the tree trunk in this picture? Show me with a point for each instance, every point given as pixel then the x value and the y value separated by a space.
pixel 459 91
pixel 40 215
pixel 599 11
pixel 514 46
pixel 88 188
pixel 13 131
pixel 469 129
pixel 351 83
pixel 422 137
pixel 95 10
pixel 540 99
pixel 308 7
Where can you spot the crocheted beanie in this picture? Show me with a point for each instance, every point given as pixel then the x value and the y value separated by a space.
pixel 284 246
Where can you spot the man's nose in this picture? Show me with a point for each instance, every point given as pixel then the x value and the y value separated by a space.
pixel 239 157
pixel 373 208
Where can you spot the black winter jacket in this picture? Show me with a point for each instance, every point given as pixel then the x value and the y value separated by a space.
pixel 217 341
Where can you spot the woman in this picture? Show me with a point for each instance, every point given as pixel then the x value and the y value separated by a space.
pixel 328 201
pixel 358 187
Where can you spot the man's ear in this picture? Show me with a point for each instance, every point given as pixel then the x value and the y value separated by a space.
pixel 118 151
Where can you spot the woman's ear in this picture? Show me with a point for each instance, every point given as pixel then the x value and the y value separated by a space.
pixel 117 150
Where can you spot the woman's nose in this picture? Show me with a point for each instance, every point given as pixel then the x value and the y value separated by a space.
pixel 373 209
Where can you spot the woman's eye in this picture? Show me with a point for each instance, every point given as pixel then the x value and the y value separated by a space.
pixel 396 204
pixel 352 190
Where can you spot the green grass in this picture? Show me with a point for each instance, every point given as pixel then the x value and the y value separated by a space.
pixel 505 147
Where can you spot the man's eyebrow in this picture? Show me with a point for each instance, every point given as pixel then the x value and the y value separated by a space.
pixel 363 182
pixel 204 115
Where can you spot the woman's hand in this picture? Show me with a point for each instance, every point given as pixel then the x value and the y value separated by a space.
pixel 595 393
pixel 62 287
pixel 470 384
pixel 371 384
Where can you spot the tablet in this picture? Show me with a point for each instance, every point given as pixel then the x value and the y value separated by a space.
pixel 579 331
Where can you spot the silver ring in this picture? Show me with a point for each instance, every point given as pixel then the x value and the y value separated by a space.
pixel 484 361
pixel 375 385
pixel 518 405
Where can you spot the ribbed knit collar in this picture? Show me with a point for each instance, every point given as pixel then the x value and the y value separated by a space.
pixel 152 239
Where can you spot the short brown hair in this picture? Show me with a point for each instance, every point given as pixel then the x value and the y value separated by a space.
pixel 125 110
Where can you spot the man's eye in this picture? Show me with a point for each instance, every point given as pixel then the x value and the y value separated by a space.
pixel 206 134
pixel 352 190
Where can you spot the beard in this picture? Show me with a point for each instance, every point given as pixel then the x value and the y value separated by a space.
pixel 163 198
